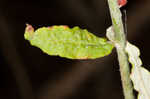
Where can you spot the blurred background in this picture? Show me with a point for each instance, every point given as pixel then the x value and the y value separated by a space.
pixel 27 73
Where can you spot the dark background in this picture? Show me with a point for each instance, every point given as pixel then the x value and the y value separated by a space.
pixel 27 73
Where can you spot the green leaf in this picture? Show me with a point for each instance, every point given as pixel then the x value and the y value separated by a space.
pixel 139 75
pixel 73 43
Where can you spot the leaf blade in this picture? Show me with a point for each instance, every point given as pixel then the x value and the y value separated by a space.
pixel 73 43
pixel 139 75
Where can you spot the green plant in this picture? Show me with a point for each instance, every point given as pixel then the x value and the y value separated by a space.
pixel 75 43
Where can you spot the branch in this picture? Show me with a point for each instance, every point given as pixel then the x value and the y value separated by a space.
pixel 117 36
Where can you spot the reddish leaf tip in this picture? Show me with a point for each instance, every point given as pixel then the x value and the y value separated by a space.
pixel 29 28
pixel 122 2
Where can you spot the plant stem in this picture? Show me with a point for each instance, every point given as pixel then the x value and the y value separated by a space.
pixel 125 74
pixel 117 36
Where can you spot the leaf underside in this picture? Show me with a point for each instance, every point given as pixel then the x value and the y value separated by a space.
pixel 139 75
pixel 73 43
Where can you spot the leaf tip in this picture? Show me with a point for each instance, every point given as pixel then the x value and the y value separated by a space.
pixel 29 30
pixel 122 2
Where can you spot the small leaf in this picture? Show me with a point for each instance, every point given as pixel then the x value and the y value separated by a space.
pixel 139 75
pixel 73 43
